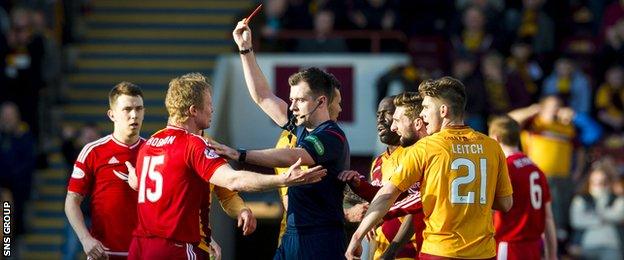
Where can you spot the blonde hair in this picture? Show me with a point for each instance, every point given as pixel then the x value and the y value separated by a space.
pixel 185 91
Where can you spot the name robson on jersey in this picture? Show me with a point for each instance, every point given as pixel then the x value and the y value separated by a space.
pixel 78 173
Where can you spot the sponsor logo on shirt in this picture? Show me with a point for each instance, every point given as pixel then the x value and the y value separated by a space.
pixel 77 173
pixel 318 145
pixel 210 154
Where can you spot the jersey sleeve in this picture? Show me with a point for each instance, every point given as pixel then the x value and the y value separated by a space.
pixel 410 168
pixel 230 201
pixel 82 177
pixel 202 158
pixel 503 183
pixel 324 146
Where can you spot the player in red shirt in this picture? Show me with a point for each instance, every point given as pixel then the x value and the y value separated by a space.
pixel 99 172
pixel 519 231
pixel 173 168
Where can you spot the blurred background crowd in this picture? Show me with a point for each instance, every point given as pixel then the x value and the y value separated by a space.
pixel 510 54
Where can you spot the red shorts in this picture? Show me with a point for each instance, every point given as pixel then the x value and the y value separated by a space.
pixel 424 256
pixel 528 250
pixel 160 248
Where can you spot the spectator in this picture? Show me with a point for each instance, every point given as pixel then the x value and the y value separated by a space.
pixel 612 52
pixel 503 92
pixel 493 10
pixel 612 14
pixel 597 213
pixel 464 69
pixel 297 15
pixel 523 66
pixel 74 141
pixel 23 68
pixel 570 83
pixel 71 146
pixel 270 23
pixel 409 76
pixel 473 37
pixel 610 99
pixel 17 158
pixel 532 22
pixel 562 158
pixel 373 15
pixel 323 27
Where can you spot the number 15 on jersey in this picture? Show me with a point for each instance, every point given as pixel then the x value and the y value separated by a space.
pixel 149 171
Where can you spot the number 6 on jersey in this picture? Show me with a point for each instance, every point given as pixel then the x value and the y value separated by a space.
pixel 149 165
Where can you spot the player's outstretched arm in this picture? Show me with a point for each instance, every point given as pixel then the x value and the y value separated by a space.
pixel 380 205
pixel 257 84
pixel 227 177
pixel 93 248
pixel 274 157
pixel 230 201
pixel 550 233
pixel 406 230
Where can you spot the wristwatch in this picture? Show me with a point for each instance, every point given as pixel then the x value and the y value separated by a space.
pixel 245 51
pixel 242 155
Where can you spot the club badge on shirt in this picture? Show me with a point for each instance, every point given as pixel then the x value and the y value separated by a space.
pixel 210 154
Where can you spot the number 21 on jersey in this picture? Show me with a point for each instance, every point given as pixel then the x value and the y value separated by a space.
pixel 469 198
pixel 149 171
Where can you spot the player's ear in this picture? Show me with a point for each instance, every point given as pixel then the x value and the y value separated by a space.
pixel 110 115
pixel 419 123
pixel 444 110
pixel 192 110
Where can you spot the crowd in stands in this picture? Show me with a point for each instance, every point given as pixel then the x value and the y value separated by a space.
pixel 511 55
pixel 32 37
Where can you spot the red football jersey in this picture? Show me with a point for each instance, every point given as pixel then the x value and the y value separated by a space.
pixel 526 219
pixel 173 168
pixel 100 172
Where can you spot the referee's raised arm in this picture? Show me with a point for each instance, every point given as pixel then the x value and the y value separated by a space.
pixel 257 83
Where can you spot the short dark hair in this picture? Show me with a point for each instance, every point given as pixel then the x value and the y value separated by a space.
pixel 123 88
pixel 507 129
pixel 448 89
pixel 320 82
pixel 412 103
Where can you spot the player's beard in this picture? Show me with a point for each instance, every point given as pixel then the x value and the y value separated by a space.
pixel 408 140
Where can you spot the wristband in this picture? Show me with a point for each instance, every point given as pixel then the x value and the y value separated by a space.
pixel 242 155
